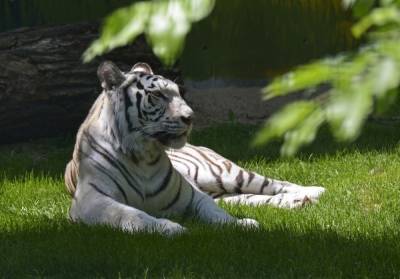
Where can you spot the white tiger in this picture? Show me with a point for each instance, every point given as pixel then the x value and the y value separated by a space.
pixel 132 168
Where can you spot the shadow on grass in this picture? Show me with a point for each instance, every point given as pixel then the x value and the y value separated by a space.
pixel 40 157
pixel 234 142
pixel 50 156
pixel 63 250
pixel 54 247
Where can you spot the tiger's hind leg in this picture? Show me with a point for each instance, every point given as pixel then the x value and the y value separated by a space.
pixel 288 200
pixel 218 176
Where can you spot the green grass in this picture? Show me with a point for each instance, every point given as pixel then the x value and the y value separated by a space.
pixel 353 232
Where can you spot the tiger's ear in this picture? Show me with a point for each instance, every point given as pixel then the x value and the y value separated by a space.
pixel 110 75
pixel 142 68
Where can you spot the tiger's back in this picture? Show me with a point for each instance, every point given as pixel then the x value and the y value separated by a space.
pixel 71 173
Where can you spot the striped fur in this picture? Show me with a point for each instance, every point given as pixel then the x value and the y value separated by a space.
pixel 131 166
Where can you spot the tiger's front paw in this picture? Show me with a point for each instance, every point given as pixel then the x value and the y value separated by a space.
pixel 169 228
pixel 249 223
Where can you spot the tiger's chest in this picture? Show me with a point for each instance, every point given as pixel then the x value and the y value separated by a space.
pixel 145 180
pixel 155 186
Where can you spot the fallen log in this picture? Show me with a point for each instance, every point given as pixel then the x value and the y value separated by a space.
pixel 45 89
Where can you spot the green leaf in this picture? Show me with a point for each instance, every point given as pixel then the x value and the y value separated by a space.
pixel 284 120
pixel 385 76
pixel 347 111
pixel 303 134
pixel 303 77
pixel 385 79
pixel 119 29
pixel 386 2
pixel 378 17
pixel 167 29
pixel 165 23
pixel 198 9
pixel 348 3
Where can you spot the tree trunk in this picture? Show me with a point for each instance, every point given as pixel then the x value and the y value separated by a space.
pixel 45 90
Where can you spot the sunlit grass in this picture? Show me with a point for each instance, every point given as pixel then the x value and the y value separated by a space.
pixel 352 232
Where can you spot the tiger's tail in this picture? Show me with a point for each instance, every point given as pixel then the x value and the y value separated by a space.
pixel 71 177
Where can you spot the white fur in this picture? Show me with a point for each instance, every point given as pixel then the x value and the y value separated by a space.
pixel 124 178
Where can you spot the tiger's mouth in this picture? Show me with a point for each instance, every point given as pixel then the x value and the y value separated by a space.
pixel 173 140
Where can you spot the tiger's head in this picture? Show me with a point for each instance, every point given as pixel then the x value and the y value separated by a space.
pixel 146 105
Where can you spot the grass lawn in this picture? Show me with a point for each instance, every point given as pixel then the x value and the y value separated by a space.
pixel 352 232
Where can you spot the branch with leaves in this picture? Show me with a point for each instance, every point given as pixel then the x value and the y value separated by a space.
pixel 360 82
pixel 165 24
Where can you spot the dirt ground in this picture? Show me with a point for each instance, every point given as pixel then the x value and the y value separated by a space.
pixel 231 104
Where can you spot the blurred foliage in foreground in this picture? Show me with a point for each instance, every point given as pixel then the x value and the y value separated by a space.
pixel 359 83
pixel 165 24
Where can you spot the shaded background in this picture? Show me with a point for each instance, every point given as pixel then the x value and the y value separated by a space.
pixel 45 90
pixel 254 39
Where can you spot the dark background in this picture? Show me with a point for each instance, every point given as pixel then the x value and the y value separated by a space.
pixel 254 39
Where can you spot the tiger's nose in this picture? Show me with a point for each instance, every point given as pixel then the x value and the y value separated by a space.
pixel 187 119
pixel 186 114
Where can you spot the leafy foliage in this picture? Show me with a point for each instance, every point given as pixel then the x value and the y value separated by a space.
pixel 164 22
pixel 360 82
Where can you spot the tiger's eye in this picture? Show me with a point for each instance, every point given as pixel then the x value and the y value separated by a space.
pixel 158 94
